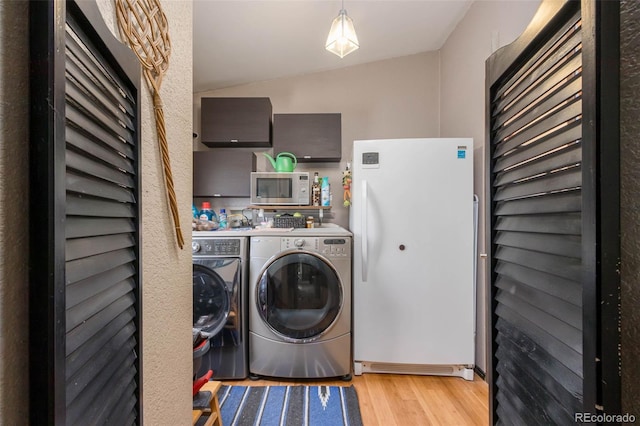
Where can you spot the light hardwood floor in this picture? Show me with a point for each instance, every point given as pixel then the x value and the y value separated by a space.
pixel 398 399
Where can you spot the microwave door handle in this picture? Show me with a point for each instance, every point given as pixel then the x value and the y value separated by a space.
pixel 365 253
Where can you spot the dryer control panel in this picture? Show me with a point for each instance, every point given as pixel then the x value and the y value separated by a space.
pixel 336 247
pixel 327 246
pixel 227 247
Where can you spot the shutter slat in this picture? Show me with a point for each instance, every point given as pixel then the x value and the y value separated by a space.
pixel 557 123
pixel 90 407
pixel 90 307
pixel 81 334
pixel 96 113
pixel 552 162
pixel 80 269
pixel 96 149
pixel 83 79
pixel 565 267
pixel 123 324
pixel 569 381
pixel 538 63
pixel 539 402
pixel 558 328
pixel 562 288
pixel 569 201
pixel 568 75
pixel 85 247
pixel 121 344
pixel 561 245
pixel 98 188
pixel 78 227
pixel 78 118
pixel 563 353
pixel 82 290
pixel 98 68
pixel 123 385
pixel 540 110
pixel 86 165
pixel 569 224
pixel 80 206
pixel 551 305
pixel 565 180
pixel 568 136
pixel 512 408
pixel 505 410
pixel 527 395
pixel 123 412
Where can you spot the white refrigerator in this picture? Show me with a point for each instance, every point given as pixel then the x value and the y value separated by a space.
pixel 413 264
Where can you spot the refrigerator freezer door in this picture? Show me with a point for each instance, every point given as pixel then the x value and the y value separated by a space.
pixel 412 220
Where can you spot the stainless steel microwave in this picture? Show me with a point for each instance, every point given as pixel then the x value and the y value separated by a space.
pixel 271 188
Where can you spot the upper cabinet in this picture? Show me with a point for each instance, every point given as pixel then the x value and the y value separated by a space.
pixel 223 172
pixel 310 137
pixel 236 122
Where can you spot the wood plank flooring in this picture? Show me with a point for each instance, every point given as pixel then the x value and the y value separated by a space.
pixel 399 399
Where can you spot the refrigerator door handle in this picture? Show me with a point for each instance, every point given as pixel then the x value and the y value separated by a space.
pixel 365 254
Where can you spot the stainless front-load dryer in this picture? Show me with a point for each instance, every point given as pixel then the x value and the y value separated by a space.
pixel 300 305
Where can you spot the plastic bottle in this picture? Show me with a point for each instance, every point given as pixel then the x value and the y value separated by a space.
pixel 223 219
pixel 315 190
pixel 325 192
pixel 194 211
pixel 207 214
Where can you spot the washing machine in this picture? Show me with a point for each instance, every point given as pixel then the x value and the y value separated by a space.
pixel 300 304
pixel 220 273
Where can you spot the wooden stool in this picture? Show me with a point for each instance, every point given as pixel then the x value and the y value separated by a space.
pixel 213 411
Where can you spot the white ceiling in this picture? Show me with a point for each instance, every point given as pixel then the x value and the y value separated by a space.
pixel 241 41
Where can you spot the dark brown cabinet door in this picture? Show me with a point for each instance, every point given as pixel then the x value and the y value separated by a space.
pixel 310 137
pixel 236 122
pixel 224 172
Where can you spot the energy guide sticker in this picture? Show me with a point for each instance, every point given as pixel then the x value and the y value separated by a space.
pixel 462 152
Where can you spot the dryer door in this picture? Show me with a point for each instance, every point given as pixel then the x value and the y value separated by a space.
pixel 299 295
pixel 211 301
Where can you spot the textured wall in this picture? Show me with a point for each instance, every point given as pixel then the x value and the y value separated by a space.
pixel 14 134
pixel 395 98
pixel 630 201
pixel 166 272
pixel 486 26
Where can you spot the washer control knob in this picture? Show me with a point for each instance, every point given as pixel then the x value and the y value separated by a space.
pixel 195 246
pixel 298 243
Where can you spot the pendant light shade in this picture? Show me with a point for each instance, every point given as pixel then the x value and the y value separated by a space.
pixel 342 38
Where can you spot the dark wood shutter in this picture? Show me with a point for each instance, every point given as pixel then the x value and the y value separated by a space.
pixel 85 266
pixel 549 234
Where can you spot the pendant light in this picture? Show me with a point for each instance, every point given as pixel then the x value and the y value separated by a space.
pixel 342 38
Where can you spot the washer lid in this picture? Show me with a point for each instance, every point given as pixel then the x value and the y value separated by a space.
pixel 211 301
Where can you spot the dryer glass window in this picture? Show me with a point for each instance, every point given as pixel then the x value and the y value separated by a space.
pixel 211 302
pixel 299 295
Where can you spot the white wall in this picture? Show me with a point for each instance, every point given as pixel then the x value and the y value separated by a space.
pixel 395 98
pixel 486 26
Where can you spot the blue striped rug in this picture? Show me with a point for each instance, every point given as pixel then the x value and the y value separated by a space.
pixel 289 405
